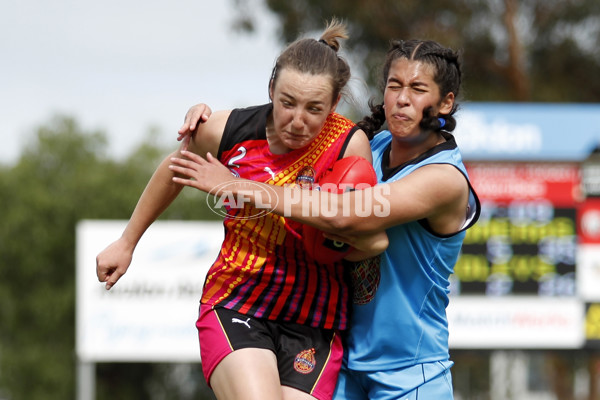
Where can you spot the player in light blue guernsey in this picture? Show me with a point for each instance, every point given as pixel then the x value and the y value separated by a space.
pixel 397 343
pixel 399 329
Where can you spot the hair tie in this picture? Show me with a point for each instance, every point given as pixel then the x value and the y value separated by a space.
pixel 442 122
pixel 327 44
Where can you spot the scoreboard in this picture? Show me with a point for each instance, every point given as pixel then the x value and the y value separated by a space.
pixel 529 272
pixel 525 241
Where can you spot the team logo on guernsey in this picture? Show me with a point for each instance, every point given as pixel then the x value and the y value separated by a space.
pixel 365 277
pixel 305 361
pixel 306 177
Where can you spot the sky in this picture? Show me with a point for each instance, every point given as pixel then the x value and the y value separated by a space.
pixel 124 66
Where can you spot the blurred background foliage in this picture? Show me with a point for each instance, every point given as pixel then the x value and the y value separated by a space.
pixel 513 50
pixel 64 176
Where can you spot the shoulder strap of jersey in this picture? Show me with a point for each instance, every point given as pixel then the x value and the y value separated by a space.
pixel 347 141
pixel 244 124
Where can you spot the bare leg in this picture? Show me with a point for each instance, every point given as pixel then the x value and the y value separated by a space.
pixel 249 374
pixel 289 393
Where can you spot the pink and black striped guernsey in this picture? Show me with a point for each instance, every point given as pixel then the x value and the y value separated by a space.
pixel 262 269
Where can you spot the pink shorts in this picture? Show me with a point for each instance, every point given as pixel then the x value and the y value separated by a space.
pixel 308 359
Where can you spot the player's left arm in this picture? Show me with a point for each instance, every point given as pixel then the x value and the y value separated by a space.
pixel 363 246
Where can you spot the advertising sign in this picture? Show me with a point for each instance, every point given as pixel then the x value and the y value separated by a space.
pixel 527 131
pixel 517 322
pixel 592 325
pixel 150 314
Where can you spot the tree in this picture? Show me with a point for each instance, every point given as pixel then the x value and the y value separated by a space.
pixel 513 50
pixel 63 176
pixel 41 197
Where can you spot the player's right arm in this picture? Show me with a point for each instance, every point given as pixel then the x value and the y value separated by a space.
pixel 113 262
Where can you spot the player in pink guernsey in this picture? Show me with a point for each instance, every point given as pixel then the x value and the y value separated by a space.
pixel 270 316
pixel 262 269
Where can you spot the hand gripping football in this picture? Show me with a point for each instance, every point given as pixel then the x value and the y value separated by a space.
pixel 347 174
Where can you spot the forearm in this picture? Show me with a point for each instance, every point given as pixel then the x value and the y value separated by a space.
pixel 352 213
pixel 155 199
pixel 370 246
pixel 356 212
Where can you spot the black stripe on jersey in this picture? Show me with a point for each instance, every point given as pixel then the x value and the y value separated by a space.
pixel 242 302
pixel 299 254
pixel 238 128
pixel 347 141
pixel 260 300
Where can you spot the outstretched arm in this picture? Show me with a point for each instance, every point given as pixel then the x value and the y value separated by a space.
pixel 161 190
pixel 113 262
pixel 436 192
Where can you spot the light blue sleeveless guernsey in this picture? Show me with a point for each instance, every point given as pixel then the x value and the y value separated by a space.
pixel 399 311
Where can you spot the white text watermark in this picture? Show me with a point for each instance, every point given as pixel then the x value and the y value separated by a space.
pixel 254 200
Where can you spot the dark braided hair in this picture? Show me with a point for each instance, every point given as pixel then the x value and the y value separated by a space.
pixel 447 75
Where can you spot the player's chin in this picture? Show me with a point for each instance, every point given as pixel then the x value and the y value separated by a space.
pixel 400 128
pixel 300 143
